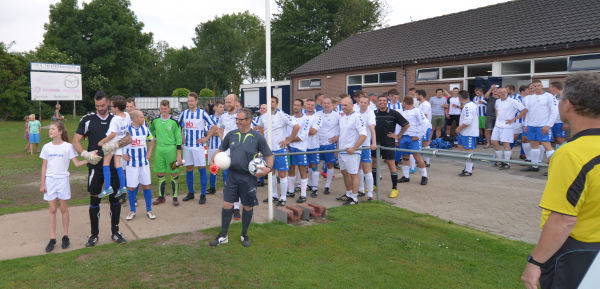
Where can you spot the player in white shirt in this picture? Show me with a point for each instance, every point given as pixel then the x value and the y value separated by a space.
pixel 518 124
pixel 54 182
pixel 468 130
pixel 425 108
pixel 506 109
pixel 279 141
pixel 194 122
pixel 226 124
pixel 542 112
pixel 352 135
pixel 116 131
pixel 299 144
pixel 213 145
pixel 313 145
pixel 559 130
pixel 410 140
pixel 328 138
pixel 137 155
pixel 365 176
pixel 454 109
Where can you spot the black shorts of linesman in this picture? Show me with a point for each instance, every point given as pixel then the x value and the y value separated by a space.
pixel 244 145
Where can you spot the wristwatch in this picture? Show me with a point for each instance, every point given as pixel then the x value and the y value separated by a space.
pixel 533 261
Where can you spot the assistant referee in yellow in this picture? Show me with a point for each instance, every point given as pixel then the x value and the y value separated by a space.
pixel 570 236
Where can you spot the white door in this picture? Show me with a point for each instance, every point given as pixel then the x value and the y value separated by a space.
pixel 251 97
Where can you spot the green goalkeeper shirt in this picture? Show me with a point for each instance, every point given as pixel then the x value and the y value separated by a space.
pixel 166 131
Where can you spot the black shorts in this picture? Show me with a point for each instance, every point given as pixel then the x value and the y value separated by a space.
pixel 386 154
pixel 96 178
pixel 242 187
pixel 569 264
pixel 490 122
pixel 453 119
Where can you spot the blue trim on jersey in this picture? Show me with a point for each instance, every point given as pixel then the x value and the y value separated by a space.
pixel 481 108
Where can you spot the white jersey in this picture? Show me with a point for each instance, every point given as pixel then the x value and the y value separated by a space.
pixel 505 110
pixel 119 126
pixel 279 128
pixel 314 122
pixel 541 110
pixel 227 122
pixel 356 107
pixel 194 125
pixel 214 141
pixel 304 123
pixel 425 108
pixel 452 101
pixel 352 126
pixel 369 118
pixel 137 150
pixel 416 119
pixel 469 116
pixel 330 127
pixel 58 157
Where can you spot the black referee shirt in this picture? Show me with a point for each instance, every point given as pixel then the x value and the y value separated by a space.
pixel 94 128
pixel 385 122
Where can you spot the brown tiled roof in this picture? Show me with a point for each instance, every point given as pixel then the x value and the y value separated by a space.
pixel 506 28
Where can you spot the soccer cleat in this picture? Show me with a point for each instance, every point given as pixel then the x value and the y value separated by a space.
pixel 211 191
pixel 202 200
pixel 175 202
pixel 151 215
pixel 301 199
pixel 531 169
pixel 281 203
pixel 394 193
pixel 130 216
pixel 314 194
pixel 219 240
pixel 158 201
pixel 123 198
pixel 505 166
pixel 245 241
pixel 92 240
pixel 275 200
pixel 369 199
pixel 118 238
pixel 65 242
pixel 361 194
pixel 50 245
pixel 188 197
pixel 403 179
pixel 236 214
pixel 350 202
pixel 465 174
pixel 135 202
pixel 105 192
pixel 326 191
pixel 343 197
pixel 122 191
pixel 291 195
pixel 423 181
pixel 297 189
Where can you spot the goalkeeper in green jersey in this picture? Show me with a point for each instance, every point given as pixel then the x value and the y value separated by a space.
pixel 167 134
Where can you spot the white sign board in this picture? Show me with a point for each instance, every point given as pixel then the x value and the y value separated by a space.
pixel 51 81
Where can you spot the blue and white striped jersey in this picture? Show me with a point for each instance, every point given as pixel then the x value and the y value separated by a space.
pixel 480 106
pixel 255 121
pixel 214 141
pixel 137 150
pixel 396 105
pixel 518 98
pixel 193 125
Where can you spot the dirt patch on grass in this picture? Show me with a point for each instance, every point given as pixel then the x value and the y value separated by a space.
pixel 193 239
pixel 23 189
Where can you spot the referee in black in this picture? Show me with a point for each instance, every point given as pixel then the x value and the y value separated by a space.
pixel 385 124
pixel 94 126
pixel 244 145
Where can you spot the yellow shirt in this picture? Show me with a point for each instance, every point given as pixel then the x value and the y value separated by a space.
pixel 573 186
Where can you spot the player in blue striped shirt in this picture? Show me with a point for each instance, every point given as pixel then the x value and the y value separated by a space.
pixel 193 122
pixel 479 100
pixel 213 145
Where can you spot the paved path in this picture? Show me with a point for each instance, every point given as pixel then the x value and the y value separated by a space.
pixel 503 203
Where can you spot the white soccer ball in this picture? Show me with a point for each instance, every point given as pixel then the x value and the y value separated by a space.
pixel 222 160
pixel 255 165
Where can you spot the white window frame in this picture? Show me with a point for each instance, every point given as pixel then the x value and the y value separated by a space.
pixel 310 80
pixel 379 83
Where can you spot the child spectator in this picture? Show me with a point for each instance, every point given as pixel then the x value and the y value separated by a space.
pixel 34 133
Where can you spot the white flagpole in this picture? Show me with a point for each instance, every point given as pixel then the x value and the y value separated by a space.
pixel 268 99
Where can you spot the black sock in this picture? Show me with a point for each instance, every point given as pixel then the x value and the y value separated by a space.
pixel 115 213
pixel 246 219
pixel 94 214
pixel 226 215
pixel 374 172
pixel 394 180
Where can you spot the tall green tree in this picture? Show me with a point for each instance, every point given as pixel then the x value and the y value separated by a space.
pixel 14 84
pixel 231 47
pixel 304 29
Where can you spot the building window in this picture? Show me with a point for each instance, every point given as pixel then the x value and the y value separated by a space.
pixel 479 70
pixel 355 80
pixel 550 65
pixel 453 72
pixel 584 62
pixel 516 67
pixel 387 77
pixel 309 83
pixel 371 78
pixel 428 74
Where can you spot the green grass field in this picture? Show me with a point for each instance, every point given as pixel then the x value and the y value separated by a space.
pixel 372 245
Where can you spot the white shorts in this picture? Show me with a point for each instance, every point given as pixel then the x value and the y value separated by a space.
pixel 117 151
pixel 518 128
pixel 349 163
pixel 211 153
pixel 503 134
pixel 57 188
pixel 194 156
pixel 137 176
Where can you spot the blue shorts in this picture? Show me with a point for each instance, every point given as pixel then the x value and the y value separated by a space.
pixel 557 130
pixel 365 156
pixel 467 142
pixel 34 138
pixel 328 158
pixel 313 159
pixel 535 133
pixel 406 142
pixel 427 136
pixel 281 162
pixel 297 160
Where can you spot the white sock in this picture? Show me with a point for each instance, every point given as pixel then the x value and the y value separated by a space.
pixel 274 194
pixel 303 183
pixel 354 196
pixel 535 155
pixel 291 184
pixel 369 184
pixel 507 155
pixel 405 171
pixel 413 163
pixel 330 173
pixel 427 158
pixel 283 184
pixel 310 176
pixel 499 155
pixel 549 153
pixel 349 193
pixel 469 167
pixel 361 181
pixel 236 205
pixel 527 150
pixel 423 172
pixel 541 155
pixel 316 175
